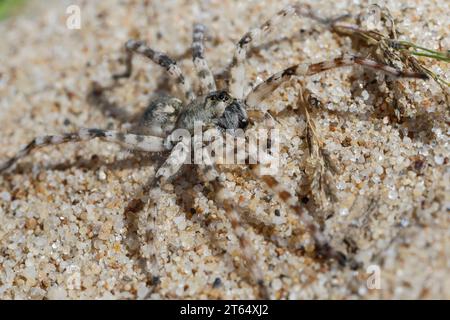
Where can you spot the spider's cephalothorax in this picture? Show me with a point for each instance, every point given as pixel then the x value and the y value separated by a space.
pixel 224 110
pixel 216 108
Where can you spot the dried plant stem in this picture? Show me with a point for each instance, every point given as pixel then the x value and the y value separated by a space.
pixel 321 182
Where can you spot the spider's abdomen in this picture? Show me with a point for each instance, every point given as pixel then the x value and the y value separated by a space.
pixel 160 116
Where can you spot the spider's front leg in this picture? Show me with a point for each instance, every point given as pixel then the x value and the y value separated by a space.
pixel 237 85
pixel 264 89
pixel 198 55
pixel 226 202
pixel 131 141
pixel 162 59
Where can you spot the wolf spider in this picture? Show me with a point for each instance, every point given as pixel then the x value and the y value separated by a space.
pixel 220 110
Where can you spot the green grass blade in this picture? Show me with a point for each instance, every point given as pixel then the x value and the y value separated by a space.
pixel 10 7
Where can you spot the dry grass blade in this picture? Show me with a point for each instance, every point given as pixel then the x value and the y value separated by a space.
pixel 322 167
pixel 396 52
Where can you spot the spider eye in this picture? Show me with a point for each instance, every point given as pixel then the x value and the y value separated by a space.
pixel 223 96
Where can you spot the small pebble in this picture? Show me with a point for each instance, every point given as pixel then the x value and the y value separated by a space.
pixel 393 194
pixel 217 283
pixel 57 293
pixel 365 95
pixel 439 160
pixel 343 211
pixel 5 196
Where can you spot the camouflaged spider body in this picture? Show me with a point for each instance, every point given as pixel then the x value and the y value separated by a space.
pixel 218 108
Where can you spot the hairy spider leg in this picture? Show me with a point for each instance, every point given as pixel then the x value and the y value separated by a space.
pixel 264 89
pixel 322 246
pixel 140 47
pixel 237 70
pixel 226 202
pixel 198 55
pixel 130 141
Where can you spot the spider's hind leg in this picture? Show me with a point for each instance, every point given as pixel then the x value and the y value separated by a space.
pixel 322 247
pixel 226 202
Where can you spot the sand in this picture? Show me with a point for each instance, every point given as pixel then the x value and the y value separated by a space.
pixel 64 228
